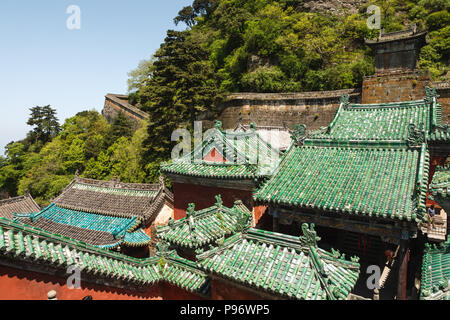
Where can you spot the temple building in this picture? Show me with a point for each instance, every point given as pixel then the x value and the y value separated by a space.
pixel 367 173
pixel 227 163
pixel 22 204
pixel 106 214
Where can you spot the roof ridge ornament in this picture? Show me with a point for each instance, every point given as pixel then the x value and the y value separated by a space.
pixel 243 221
pixel 345 99
pixel 430 94
pixel 190 210
pixel 309 237
pixel 219 202
pixel 299 134
pixel 162 248
pixel 416 135
pixel 218 125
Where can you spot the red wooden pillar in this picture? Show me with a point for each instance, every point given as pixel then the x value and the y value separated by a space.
pixel 403 270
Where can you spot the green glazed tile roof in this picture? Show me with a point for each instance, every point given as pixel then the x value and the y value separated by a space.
pixel 386 121
pixel 440 186
pixel 441 134
pixel 205 226
pixel 246 154
pixel 104 231
pixel 25 244
pixel 435 283
pixel 376 121
pixel 378 181
pixel 294 268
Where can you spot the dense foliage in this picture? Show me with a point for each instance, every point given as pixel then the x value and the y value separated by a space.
pixel 86 143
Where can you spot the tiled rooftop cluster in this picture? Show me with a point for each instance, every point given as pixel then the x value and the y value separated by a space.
pixel 107 214
pixel 277 264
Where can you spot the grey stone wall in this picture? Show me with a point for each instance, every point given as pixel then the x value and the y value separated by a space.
pixel 315 109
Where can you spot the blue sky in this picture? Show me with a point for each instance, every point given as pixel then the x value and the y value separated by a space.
pixel 43 62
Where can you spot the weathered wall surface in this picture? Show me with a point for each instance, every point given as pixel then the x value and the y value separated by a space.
pixel 119 103
pixel 395 86
pixel 443 90
pixel 404 86
pixel 315 109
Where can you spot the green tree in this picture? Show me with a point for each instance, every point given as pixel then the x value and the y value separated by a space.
pixel 45 123
pixel 182 87
pixel 121 127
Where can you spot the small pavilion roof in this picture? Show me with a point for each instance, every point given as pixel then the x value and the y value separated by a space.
pixel 282 265
pixel 435 284
pixel 22 204
pixel 206 226
pixel 246 156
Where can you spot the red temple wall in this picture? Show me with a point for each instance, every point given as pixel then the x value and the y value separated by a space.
pixel 16 284
pixel 258 214
pixel 204 197
pixel 26 285
pixel 170 292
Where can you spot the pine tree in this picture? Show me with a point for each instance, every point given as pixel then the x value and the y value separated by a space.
pixel 45 122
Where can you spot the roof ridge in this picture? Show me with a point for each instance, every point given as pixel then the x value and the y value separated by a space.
pixel 116 184
pixel 13 199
